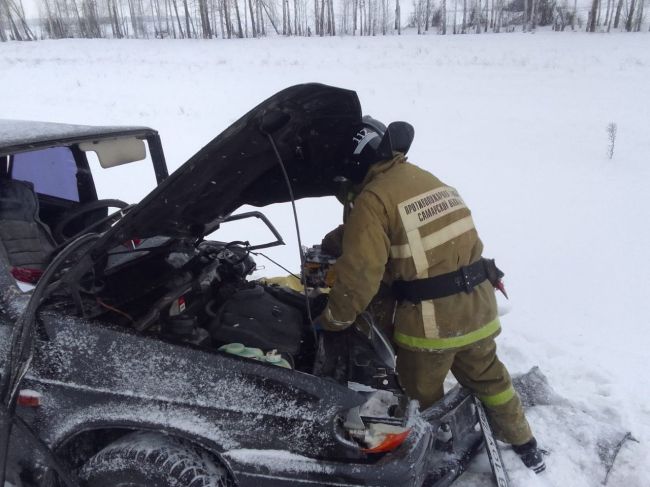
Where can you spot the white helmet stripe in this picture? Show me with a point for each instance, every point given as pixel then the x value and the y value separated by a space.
pixel 367 138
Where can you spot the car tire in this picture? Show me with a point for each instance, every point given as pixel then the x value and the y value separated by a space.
pixel 145 459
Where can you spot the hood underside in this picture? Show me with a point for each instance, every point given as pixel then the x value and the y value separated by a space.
pixel 310 125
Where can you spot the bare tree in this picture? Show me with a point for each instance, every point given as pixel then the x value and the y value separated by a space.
pixel 55 26
pixel 483 15
pixel 269 16
pixel 206 29
pixel 398 18
pixel 600 8
pixel 455 16
pixel 427 15
pixel 443 17
pixel 575 14
pixel 259 12
pixel 618 13
pixel 608 11
pixel 80 24
pixel 321 19
pixel 87 18
pixel 486 15
pixel 330 4
pixel 463 29
pixel 188 31
pixel 630 17
pixel 178 19
pixel 14 15
pixel 418 13
pixel 611 16
pixel 499 21
pixel 240 30
pixel 593 13
pixel 492 15
pixel 22 19
pixel 252 14
pixel 296 18
pixel 533 15
pixel 156 19
pixel 114 19
pixel 204 18
pixel 525 27
pixel 639 17
pixel 6 15
pixel 3 35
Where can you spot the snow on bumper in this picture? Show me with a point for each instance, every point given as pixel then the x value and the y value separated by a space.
pixel 406 466
pixel 442 441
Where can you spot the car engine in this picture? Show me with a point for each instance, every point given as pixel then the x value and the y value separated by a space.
pixel 199 295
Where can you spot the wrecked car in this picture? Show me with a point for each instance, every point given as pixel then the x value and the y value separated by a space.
pixel 137 350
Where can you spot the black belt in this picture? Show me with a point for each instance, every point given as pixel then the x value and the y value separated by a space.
pixel 464 279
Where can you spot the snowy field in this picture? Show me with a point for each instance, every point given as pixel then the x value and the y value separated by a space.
pixel 516 122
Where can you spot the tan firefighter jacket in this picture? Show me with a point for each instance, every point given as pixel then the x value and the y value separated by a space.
pixel 407 224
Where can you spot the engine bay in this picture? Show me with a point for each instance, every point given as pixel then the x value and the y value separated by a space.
pixel 200 293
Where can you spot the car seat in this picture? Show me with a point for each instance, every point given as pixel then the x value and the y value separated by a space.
pixel 25 240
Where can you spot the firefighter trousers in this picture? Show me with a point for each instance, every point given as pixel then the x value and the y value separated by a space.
pixel 476 367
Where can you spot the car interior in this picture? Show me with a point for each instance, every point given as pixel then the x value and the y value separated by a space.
pixel 26 241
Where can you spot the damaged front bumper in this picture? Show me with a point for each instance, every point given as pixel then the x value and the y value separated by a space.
pixel 443 439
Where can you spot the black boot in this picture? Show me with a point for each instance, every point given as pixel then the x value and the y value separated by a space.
pixel 532 456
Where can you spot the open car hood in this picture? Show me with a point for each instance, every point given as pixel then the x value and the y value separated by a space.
pixel 311 125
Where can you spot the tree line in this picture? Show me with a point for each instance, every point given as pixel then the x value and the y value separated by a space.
pixel 208 19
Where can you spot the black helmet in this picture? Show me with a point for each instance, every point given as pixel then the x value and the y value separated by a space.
pixel 372 143
pixel 369 145
pixel 367 139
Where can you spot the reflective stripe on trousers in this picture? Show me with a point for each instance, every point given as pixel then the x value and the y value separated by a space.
pixel 451 342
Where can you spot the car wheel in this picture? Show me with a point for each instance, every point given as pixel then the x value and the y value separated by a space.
pixel 145 459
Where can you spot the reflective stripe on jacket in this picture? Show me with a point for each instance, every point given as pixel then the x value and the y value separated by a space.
pixel 407 224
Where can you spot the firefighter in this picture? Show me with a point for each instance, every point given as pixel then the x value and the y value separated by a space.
pixel 412 236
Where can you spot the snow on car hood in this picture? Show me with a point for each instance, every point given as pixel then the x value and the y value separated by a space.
pixel 311 126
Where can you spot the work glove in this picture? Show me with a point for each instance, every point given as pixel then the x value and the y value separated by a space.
pixel 328 323
pixel 332 243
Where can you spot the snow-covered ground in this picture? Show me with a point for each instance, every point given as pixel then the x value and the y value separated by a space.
pixel 517 122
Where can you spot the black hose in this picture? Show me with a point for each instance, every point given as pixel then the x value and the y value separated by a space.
pixel 293 205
